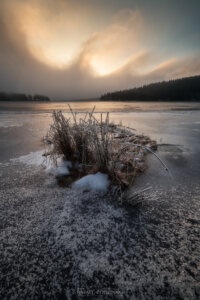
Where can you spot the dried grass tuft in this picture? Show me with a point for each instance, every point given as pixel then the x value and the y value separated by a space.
pixel 99 145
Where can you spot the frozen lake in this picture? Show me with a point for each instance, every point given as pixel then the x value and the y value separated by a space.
pixel 23 125
pixel 56 243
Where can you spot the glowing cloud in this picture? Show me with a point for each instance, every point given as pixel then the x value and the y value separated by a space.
pixel 110 49
pixel 58 40
pixel 54 39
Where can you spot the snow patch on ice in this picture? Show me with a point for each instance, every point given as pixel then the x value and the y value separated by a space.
pixel 93 182
pixel 33 158
pixel 37 159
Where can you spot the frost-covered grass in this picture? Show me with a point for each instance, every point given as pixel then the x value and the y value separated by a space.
pixel 93 144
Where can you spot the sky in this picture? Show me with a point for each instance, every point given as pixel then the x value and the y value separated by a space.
pixel 78 49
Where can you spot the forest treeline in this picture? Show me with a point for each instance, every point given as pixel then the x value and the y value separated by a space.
pixel 22 97
pixel 184 89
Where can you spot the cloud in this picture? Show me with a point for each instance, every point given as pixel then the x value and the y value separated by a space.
pixel 175 68
pixel 107 57
pixel 108 50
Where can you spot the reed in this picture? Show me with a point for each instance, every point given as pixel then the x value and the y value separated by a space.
pixel 94 145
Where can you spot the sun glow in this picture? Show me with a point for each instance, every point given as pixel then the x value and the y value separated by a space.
pixel 136 62
pixel 102 67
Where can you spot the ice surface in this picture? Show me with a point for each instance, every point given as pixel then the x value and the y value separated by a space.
pixel 4 123
pixel 54 241
pixel 93 182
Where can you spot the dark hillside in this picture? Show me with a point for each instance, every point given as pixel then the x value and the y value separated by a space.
pixel 185 89
pixel 22 97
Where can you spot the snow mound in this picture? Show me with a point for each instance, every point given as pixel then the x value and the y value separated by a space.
pixel 93 182
pixel 61 169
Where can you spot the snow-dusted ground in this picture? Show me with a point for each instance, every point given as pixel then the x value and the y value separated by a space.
pixel 58 243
